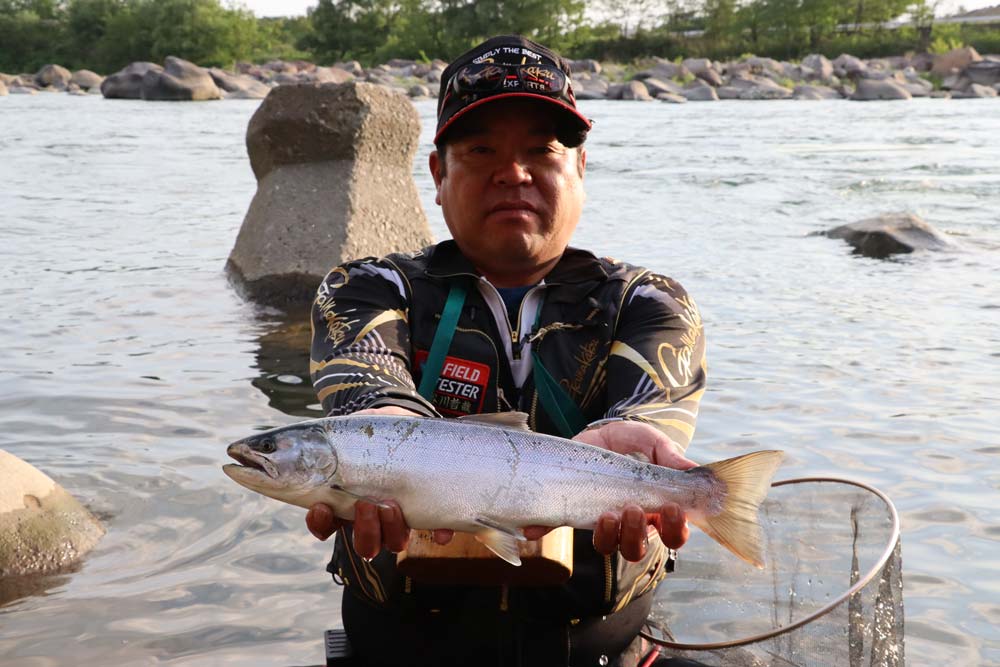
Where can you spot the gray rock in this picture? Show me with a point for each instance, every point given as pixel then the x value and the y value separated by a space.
pixel 974 91
pixel 868 90
pixel 180 81
pixel 53 75
pixel 996 87
pixel 919 88
pixel 985 73
pixel 663 69
pixel 940 95
pixel 699 91
pixel 615 91
pixel 280 66
pixel 22 90
pixel 587 65
pixel 418 90
pixel 591 95
pixel 760 65
pixel 799 73
pixel 807 92
pixel 7 79
pixel 333 166
pixel 352 66
pixel 704 70
pixel 890 234
pixel 433 76
pixel 329 75
pixel 847 65
pixel 656 86
pixel 768 91
pixel 43 529
pixel 636 90
pixel 729 92
pixel 672 98
pixel 955 81
pixel 239 86
pixel 956 59
pixel 87 79
pixel 126 84
pixel 922 62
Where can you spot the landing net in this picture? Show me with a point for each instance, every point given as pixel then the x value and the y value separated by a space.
pixel 831 593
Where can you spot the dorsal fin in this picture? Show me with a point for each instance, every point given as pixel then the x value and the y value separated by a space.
pixel 516 421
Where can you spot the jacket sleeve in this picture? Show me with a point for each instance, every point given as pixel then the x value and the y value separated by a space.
pixel 656 365
pixel 360 355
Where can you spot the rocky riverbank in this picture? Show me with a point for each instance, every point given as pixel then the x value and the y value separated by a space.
pixel 961 73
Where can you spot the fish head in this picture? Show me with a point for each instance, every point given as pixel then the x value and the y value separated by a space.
pixel 286 463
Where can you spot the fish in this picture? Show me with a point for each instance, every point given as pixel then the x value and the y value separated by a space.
pixel 490 475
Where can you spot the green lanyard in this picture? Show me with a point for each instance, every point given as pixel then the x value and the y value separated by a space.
pixel 442 339
pixel 557 404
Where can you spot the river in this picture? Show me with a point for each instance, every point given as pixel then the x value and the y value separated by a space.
pixel 127 361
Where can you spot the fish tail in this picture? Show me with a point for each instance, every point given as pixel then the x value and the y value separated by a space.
pixel 746 480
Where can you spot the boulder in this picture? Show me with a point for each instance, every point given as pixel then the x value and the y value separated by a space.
pixel 760 65
pixel 589 94
pixel 919 87
pixel 239 86
pixel 180 81
pixel 3 89
pixel 334 182
pixel 637 91
pixel 280 66
pixel 352 66
pixel 955 81
pixel 672 98
pixel 957 59
pixel 53 75
pixel 847 65
pixel 330 75
pixel 806 92
pixel 699 91
pixel 704 70
pixel 922 62
pixel 940 95
pixel 985 73
pixel 656 86
pixel 22 90
pixel 746 86
pixel 86 79
pixel 43 529
pixel 890 234
pixel 126 84
pixel 7 79
pixel 586 65
pixel 663 69
pixel 974 91
pixel 418 90
pixel 868 90
pixel 614 91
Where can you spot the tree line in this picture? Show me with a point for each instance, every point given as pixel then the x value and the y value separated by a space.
pixel 105 35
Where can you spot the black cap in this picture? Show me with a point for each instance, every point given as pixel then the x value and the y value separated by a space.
pixel 504 50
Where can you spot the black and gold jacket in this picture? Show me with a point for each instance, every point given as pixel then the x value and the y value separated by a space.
pixel 621 341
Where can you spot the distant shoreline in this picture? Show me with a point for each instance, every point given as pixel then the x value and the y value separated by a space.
pixel 960 73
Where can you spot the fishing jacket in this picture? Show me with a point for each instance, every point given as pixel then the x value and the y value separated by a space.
pixel 622 342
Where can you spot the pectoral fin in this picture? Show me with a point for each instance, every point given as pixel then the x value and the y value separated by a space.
pixel 501 540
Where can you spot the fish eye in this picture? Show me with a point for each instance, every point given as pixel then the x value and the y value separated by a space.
pixel 266 446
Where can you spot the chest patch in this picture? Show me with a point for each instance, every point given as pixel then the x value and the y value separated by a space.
pixel 461 388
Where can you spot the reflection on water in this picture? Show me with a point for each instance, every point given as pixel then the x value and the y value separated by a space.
pixel 127 363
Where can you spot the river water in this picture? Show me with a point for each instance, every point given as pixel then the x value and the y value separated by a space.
pixel 127 362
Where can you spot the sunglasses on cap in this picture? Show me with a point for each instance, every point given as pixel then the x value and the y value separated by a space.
pixel 488 78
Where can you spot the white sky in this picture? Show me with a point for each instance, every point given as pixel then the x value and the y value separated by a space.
pixel 298 7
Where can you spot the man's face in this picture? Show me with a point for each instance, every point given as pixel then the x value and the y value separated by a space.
pixel 511 193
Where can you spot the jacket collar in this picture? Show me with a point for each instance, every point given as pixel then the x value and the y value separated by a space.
pixel 574 267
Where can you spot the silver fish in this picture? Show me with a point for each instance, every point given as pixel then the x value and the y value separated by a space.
pixel 490 476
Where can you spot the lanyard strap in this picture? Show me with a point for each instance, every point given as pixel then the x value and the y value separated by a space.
pixel 558 405
pixel 442 339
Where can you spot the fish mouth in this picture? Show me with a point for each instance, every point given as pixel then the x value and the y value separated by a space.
pixel 249 462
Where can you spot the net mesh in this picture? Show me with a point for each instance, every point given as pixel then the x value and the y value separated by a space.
pixel 823 538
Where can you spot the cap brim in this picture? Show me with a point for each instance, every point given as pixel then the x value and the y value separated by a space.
pixel 583 120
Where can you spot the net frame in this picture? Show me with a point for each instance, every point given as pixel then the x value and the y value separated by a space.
pixel 822 611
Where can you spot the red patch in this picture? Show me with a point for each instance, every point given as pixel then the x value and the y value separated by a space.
pixel 461 388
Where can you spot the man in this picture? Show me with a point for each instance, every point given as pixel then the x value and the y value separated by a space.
pixel 507 317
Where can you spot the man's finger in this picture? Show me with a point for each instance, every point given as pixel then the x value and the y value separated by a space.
pixel 395 532
pixel 321 521
pixel 443 536
pixel 673 526
pixel 367 530
pixel 633 534
pixel 606 533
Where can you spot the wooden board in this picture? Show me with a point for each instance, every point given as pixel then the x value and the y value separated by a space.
pixel 464 561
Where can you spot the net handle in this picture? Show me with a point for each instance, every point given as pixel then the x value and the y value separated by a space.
pixel 822 611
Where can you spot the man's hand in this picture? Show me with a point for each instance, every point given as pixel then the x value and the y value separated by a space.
pixel 626 530
pixel 374 527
